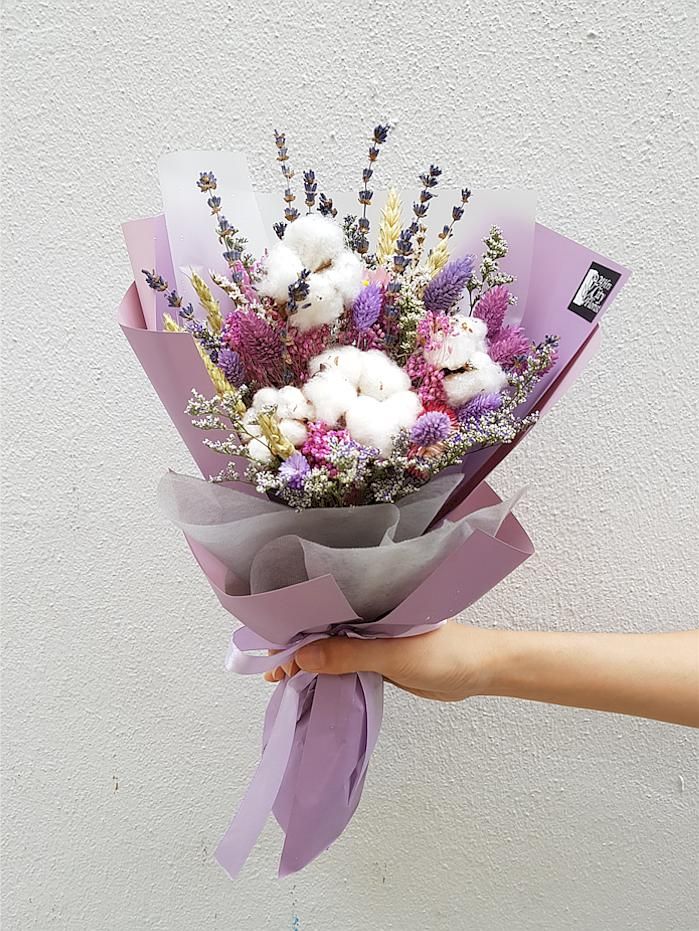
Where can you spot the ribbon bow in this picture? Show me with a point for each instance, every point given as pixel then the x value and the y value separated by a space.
pixel 319 734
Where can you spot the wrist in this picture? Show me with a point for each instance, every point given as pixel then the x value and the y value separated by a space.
pixel 489 658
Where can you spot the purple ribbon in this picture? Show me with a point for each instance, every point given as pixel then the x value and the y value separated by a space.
pixel 320 732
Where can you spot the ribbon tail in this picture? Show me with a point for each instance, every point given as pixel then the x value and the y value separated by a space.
pixel 248 822
pixel 372 686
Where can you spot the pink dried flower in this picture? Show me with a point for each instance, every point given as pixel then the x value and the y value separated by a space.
pixel 432 329
pixel 431 392
pixel 259 347
pixel 416 366
pixel 511 342
pixel 230 333
pixel 317 448
pixel 492 307
pixel 375 338
pixel 245 284
pixel 428 380
pixel 302 347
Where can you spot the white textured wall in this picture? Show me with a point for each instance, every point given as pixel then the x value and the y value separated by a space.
pixel 126 745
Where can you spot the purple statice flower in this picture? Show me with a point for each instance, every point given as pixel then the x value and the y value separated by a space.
pixel 430 428
pixel 231 366
pixel 446 287
pixel 491 309
pixel 511 342
pixel 367 307
pixel 294 470
pixel 478 406
pixel 259 347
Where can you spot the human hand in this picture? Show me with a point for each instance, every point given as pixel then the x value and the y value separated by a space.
pixel 447 664
pixel 648 675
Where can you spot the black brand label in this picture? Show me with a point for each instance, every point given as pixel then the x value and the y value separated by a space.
pixel 593 291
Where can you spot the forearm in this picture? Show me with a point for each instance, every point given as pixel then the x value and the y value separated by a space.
pixel 649 675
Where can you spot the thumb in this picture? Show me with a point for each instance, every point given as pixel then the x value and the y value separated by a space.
pixel 338 655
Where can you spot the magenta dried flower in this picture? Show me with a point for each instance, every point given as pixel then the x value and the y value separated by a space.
pixel 302 347
pixel 511 342
pixel 416 367
pixel 432 329
pixel 447 286
pixel 491 309
pixel 259 347
pixel 431 391
pixel 322 440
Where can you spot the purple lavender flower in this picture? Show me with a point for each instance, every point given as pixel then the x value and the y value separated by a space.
pixel 511 342
pixel 446 287
pixel 431 428
pixel 298 290
pixel 294 470
pixel 207 181
pixel 492 307
pixel 156 282
pixel 478 406
pixel 310 186
pixel 231 366
pixel 367 307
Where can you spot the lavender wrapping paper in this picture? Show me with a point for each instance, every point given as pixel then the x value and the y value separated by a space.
pixel 320 731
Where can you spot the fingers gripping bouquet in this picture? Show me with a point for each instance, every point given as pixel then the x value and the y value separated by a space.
pixel 354 387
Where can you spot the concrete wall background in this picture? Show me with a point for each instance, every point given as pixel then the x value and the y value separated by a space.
pixel 126 745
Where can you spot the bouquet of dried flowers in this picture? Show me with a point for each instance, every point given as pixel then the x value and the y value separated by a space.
pixel 357 384
pixel 346 376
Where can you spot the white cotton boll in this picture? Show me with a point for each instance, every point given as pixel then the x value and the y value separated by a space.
pixel 248 422
pixel 375 423
pixel 367 424
pixel 282 267
pixel 347 273
pixel 294 430
pixel 265 397
pixel 322 305
pixel 456 349
pixel 346 361
pixel 474 326
pixel 487 376
pixel 292 403
pixel 404 407
pixel 330 396
pixel 260 452
pixel 316 240
pixel 381 376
